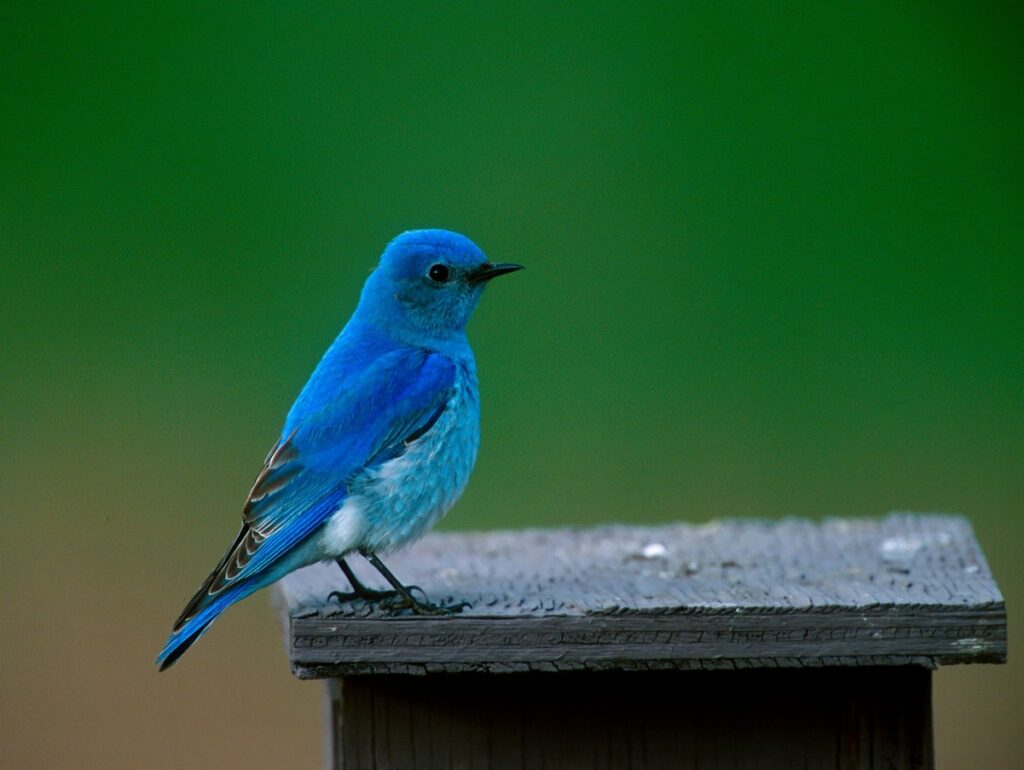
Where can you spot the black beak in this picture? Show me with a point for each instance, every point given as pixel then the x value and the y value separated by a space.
pixel 487 271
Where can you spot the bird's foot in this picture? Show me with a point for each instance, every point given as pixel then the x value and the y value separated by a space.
pixel 373 595
pixel 361 591
pixel 403 599
pixel 409 602
pixel 366 594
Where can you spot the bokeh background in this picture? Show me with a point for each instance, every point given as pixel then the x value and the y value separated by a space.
pixel 775 269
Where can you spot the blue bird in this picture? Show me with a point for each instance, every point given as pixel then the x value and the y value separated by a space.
pixel 380 442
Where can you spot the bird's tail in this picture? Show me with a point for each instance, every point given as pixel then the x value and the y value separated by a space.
pixel 185 635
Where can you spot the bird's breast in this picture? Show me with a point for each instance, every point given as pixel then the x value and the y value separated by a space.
pixel 405 496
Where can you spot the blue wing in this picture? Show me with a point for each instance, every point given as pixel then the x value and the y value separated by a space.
pixel 361 407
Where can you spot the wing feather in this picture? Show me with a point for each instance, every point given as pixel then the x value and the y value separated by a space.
pixel 305 476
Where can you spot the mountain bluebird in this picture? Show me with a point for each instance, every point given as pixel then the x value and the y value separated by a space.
pixel 380 442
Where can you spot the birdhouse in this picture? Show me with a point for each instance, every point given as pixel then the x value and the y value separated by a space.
pixel 724 645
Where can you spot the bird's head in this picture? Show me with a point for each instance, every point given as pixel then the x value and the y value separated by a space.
pixel 428 281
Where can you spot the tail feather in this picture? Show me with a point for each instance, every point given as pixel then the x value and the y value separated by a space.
pixel 177 646
pixel 205 607
pixel 185 634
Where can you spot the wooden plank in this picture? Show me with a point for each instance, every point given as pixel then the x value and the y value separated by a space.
pixel 821 719
pixel 897 591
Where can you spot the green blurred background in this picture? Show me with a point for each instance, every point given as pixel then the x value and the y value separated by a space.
pixel 775 268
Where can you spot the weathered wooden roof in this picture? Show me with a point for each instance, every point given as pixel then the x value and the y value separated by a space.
pixel 906 589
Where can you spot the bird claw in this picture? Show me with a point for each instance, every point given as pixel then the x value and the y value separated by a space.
pixel 396 601
pixel 424 607
pixel 368 595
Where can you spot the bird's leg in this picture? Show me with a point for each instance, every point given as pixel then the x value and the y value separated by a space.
pixel 405 599
pixel 359 591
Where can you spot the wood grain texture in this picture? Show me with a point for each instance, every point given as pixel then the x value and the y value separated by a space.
pixel 904 590
pixel 816 719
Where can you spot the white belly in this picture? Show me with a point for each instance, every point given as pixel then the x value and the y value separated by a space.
pixel 343 531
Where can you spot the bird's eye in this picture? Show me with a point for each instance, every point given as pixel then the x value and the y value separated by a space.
pixel 439 273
